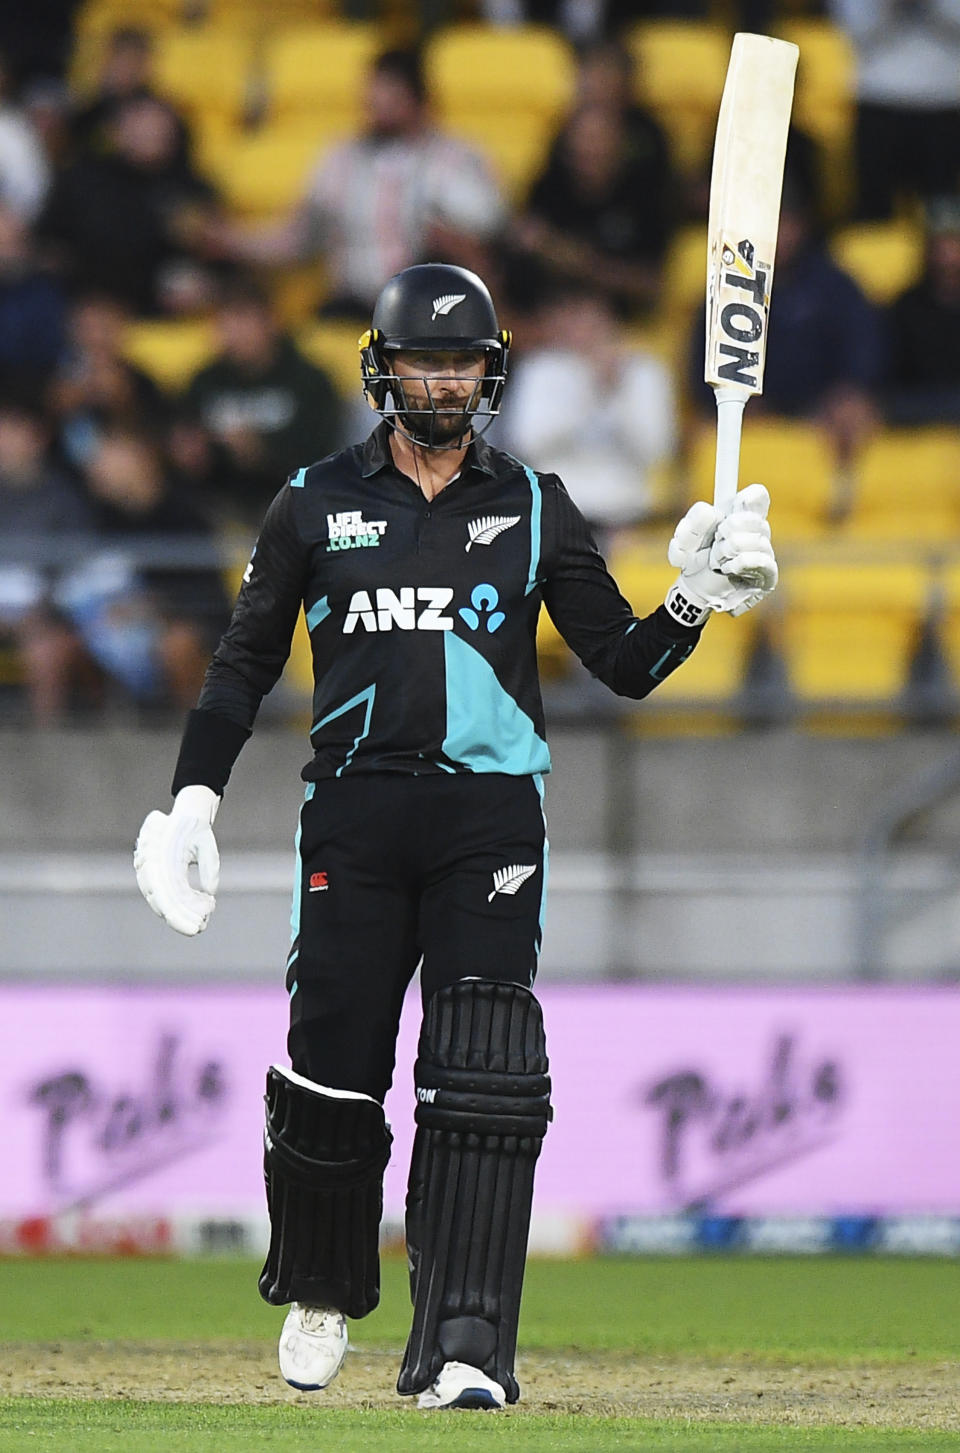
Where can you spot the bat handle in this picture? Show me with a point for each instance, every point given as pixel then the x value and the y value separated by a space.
pixel 729 423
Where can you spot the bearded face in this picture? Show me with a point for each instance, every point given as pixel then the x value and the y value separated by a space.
pixel 437 394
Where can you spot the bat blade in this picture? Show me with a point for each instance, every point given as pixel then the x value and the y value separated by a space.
pixel 745 187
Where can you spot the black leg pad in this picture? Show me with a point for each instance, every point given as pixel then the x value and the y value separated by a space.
pixel 483 1103
pixel 325 1152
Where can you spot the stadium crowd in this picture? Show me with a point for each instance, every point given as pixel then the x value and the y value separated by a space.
pixel 118 486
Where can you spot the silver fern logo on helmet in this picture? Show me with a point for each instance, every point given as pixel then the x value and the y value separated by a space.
pixel 445 304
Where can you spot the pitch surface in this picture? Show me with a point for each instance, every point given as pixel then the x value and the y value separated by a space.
pixel 718 1354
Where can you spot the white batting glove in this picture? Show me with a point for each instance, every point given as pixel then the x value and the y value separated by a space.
pixel 168 843
pixel 726 563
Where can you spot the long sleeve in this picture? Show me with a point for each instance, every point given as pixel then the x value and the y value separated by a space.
pixel 630 655
pixel 252 652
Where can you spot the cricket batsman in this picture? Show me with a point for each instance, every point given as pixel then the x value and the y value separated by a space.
pixel 421 559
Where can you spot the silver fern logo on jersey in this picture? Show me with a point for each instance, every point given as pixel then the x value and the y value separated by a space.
pixel 508 880
pixel 485 530
pixel 445 304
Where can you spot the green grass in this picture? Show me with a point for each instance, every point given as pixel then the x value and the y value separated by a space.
pixel 789 1313
pixel 137 1427
pixel 819 1309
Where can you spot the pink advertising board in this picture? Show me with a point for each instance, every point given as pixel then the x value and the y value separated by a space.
pixel 143 1101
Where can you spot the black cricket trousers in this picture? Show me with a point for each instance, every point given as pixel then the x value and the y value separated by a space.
pixel 445 871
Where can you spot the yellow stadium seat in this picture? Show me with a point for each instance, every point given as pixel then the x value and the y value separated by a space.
pixel 298 671
pixel 681 69
pixel 904 472
pixel 320 68
pixel 825 94
pixel 261 19
pixel 930 526
pixel 205 68
pixel 93 27
pixel 685 273
pixel 883 257
pixel 850 627
pixel 715 672
pixel 170 352
pixel 824 101
pixel 553 654
pixel 106 15
pixel 826 76
pixel 479 68
pixel 516 145
pixel 335 347
pixel 793 459
pixel 264 172
pixel 298 292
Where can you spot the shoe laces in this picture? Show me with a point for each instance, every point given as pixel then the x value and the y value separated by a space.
pixel 320 1321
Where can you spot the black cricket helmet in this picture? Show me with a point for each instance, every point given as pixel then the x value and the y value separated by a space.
pixel 434 307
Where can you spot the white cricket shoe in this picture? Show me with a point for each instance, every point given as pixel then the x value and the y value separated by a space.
pixel 313 1344
pixel 458 1385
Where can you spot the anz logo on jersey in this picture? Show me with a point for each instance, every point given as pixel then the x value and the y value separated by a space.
pixel 421 608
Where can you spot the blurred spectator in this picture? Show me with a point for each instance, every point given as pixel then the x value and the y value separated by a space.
pixel 32 309
pixel 24 173
pixel 266 408
pixel 908 98
pixel 607 76
pixel 126 74
pixel 126 223
pixel 46 105
pixel 149 625
pixel 587 20
pixel 401 192
pixel 924 377
pixel 95 385
pixel 593 410
pixel 825 352
pixel 39 507
pixel 599 213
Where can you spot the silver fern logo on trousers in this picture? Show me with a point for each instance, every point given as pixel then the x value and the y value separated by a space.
pixel 485 530
pixel 445 304
pixel 508 880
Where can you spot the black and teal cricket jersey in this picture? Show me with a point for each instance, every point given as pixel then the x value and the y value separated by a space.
pixel 422 617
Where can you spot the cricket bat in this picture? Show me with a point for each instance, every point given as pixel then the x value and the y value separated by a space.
pixel 745 187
